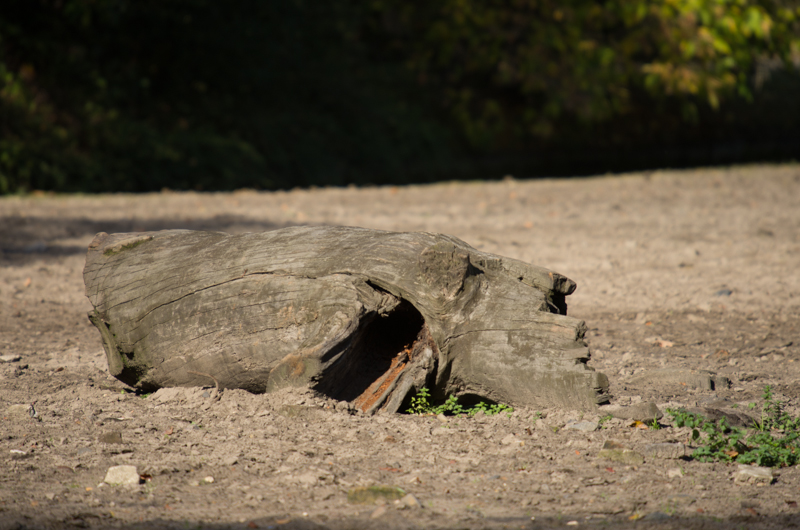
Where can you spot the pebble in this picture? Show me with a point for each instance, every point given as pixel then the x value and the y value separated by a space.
pixel 410 501
pixel 379 511
pixel 122 476
pixel 644 412
pixel 754 474
pixel 512 439
pixel 18 412
pixel 675 472
pixel 617 452
pixel 113 437
pixel 665 450
pixel 585 425
pixel 373 494
pixel 10 358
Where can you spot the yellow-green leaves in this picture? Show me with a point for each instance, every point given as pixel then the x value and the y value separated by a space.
pixel 556 58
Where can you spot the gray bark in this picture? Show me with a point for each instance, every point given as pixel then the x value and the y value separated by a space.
pixel 359 315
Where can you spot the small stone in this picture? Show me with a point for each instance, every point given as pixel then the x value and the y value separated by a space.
pixel 410 501
pixel 442 418
pixel 372 494
pixel 665 450
pixel 122 476
pixel 675 472
pixel 617 452
pixel 16 454
pixel 754 474
pixel 656 516
pixel 209 480
pixel 114 437
pixel 680 500
pixel 584 426
pixel 734 418
pixel 231 460
pixel 644 412
pixel 10 358
pixel 511 439
pixel 18 412
pixel 379 511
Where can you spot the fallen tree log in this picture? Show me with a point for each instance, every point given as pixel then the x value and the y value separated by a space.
pixel 359 315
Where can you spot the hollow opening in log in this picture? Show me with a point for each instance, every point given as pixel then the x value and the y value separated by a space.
pixel 377 357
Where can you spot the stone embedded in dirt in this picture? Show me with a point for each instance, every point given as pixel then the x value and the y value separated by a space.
pixel 512 439
pixel 114 437
pixel 644 412
pixel 584 426
pixel 18 412
pixel 122 476
pixel 17 454
pixel 10 358
pixel 378 512
pixel 300 412
pixel 754 474
pixel 697 379
pixel 675 472
pixel 618 452
pixel 734 418
pixel 410 501
pixel 373 494
pixel 665 450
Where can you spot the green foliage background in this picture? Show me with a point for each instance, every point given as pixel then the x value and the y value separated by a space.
pixel 194 94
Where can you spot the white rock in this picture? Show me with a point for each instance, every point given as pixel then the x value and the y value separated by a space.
pixel 10 358
pixel 585 426
pixel 379 511
pixel 122 476
pixel 675 472
pixel 754 474
pixel 512 439
pixel 410 501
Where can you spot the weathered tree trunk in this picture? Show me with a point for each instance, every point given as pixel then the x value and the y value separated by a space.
pixel 360 315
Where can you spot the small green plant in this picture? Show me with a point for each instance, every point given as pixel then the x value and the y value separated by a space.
pixel 654 425
pixel 604 419
pixel 421 405
pixel 775 441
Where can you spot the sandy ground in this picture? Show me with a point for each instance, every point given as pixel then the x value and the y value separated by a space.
pixel 676 271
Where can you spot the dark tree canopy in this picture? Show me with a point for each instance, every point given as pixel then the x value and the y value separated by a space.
pixel 121 95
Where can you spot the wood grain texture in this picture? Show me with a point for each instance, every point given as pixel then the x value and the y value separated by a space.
pixel 360 315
